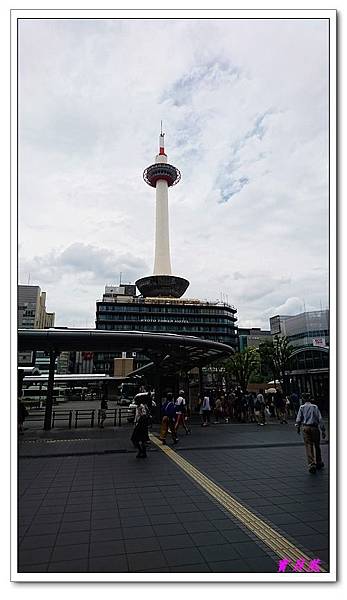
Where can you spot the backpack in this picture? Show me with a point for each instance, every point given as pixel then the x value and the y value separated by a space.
pixel 257 404
pixel 170 409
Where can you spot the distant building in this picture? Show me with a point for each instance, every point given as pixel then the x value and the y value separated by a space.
pixel 120 309
pixel 252 337
pixel 304 329
pixel 32 314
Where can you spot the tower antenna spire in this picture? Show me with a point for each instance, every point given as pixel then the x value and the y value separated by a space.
pixel 161 127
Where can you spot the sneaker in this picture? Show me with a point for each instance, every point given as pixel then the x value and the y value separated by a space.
pixel 163 442
pixel 312 469
pixel 320 466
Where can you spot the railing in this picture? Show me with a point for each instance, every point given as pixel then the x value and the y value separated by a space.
pixel 115 417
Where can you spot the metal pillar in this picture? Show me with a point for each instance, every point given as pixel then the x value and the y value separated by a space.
pixel 201 383
pixel 50 386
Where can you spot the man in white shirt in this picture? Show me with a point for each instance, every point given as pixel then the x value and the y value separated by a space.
pixel 206 410
pixel 310 419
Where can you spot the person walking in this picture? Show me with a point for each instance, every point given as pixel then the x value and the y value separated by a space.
pixel 140 433
pixel 22 414
pixel 310 419
pixel 103 409
pixel 259 408
pixel 206 410
pixel 168 420
pixel 181 409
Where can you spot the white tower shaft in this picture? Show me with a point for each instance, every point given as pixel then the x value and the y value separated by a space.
pixel 162 263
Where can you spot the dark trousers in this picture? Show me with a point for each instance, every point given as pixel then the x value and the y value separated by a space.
pixel 312 445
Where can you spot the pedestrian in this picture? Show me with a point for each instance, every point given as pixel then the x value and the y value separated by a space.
pixel 181 409
pixel 218 410
pixel 22 415
pixel 280 407
pixel 103 409
pixel 168 420
pixel 140 434
pixel 310 419
pixel 259 408
pixel 206 410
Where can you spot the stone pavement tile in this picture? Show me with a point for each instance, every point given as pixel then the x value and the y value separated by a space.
pixel 106 548
pixel 146 560
pixel 307 516
pixel 213 514
pixel 162 509
pixel 224 524
pixel 73 537
pixel 32 557
pixel 216 553
pixel 97 514
pixel 77 508
pixel 197 526
pixel 139 521
pixel 236 535
pixel 68 526
pixel 33 542
pixel 69 566
pixel 298 528
pixel 175 541
pixel 41 568
pixel 111 521
pixel 80 516
pixel 70 552
pixel 183 556
pixel 169 529
pixel 262 564
pixel 320 526
pixel 208 538
pixel 105 535
pixel 249 550
pixel 138 532
pixel 229 566
pixel 311 542
pixel 108 564
pixel 47 518
pixel 197 568
pixel 193 516
pixel 132 512
pixel 284 518
pixel 42 528
pixel 164 518
pixel 131 503
pixel 142 545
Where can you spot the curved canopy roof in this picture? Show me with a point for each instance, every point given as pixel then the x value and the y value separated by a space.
pixel 174 352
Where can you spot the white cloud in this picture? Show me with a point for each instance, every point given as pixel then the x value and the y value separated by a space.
pixel 245 108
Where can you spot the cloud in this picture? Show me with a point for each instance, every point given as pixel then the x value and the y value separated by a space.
pixel 245 109
pixel 86 262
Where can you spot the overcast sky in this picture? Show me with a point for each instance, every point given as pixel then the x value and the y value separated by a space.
pixel 244 105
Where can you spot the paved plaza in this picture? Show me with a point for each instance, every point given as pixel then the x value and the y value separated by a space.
pixel 86 504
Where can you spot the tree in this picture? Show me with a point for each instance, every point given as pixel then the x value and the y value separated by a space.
pixel 242 365
pixel 282 352
pixel 275 358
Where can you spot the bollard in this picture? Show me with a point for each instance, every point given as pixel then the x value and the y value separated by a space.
pixel 92 419
pixel 99 413
pixel 76 417
pixel 70 419
pixel 119 417
pixel 53 418
pixel 115 418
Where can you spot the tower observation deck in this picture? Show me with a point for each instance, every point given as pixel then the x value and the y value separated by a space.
pixel 161 175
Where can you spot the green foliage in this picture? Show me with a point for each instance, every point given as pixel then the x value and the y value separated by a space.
pixel 242 365
pixel 275 358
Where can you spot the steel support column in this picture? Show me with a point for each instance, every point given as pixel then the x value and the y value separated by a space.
pixel 50 387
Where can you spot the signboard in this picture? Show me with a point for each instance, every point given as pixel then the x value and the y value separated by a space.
pixel 319 342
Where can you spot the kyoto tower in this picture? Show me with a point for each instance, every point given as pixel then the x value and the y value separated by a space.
pixel 161 176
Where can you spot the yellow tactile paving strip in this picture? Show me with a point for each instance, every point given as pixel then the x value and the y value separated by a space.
pixel 274 540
